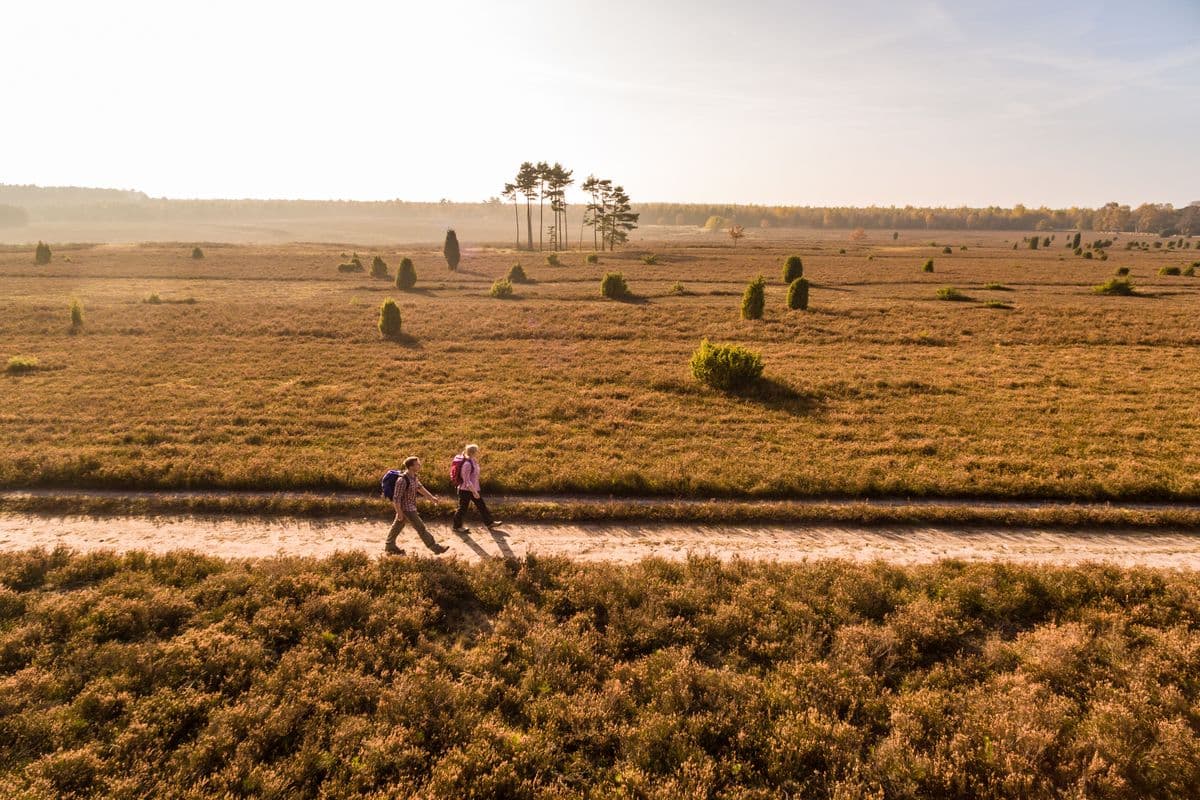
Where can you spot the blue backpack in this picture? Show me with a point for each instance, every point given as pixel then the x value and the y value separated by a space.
pixel 387 485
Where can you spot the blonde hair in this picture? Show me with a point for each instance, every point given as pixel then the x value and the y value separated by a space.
pixel 470 450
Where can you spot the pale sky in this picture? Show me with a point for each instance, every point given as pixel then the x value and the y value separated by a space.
pixel 824 103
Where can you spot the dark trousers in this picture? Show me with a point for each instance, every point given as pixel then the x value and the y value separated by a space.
pixel 465 498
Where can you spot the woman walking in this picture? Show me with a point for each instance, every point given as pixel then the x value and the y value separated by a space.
pixel 467 464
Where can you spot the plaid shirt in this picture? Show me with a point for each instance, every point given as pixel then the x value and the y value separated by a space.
pixel 406 491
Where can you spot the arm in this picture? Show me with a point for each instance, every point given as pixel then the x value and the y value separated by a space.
pixel 423 491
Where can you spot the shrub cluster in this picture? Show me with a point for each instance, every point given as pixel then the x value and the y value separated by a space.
pixel 728 367
pixel 754 299
pixel 613 286
pixel 406 275
pixel 18 365
pixel 183 675
pixel 502 288
pixel 389 319
pixel 353 265
pixel 1116 286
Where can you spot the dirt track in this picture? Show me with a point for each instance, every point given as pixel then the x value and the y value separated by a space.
pixel 614 542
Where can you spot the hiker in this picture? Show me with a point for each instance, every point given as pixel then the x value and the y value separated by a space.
pixel 464 473
pixel 406 487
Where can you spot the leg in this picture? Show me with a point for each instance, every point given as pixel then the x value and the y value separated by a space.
pixel 397 526
pixel 464 500
pixel 483 509
pixel 423 532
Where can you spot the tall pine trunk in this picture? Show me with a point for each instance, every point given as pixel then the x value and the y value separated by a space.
pixel 529 221
pixel 517 220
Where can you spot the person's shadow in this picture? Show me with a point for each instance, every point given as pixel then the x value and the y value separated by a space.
pixel 465 536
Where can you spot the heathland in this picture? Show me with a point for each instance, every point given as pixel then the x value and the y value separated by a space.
pixel 262 367
pixel 187 676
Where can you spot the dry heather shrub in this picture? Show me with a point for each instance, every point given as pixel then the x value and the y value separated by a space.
pixel 728 367
pixel 502 289
pixel 614 287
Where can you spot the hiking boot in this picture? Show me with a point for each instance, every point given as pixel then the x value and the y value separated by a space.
pixel 391 549
pixel 438 549
pixel 461 529
pixel 495 523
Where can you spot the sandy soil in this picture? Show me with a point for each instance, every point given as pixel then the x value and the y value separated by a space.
pixel 613 542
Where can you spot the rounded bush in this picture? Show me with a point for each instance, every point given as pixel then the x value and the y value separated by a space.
pixel 797 296
pixel 552 260
pixel 379 268
pixel 754 299
pixel 947 250
pixel 1117 286
pixel 950 293
pixel 650 259
pixel 1122 271
pixel 450 250
pixel 502 289
pixel 406 274
pixel 928 266
pixel 727 367
pixel 1170 271
pixel 592 258
pixel 516 274
pixel 197 253
pixel 41 254
pixel 389 319
pixel 793 268
pixel 613 286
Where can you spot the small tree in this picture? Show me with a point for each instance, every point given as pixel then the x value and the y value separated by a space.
pixel 76 316
pixel 736 232
pixel 1034 242
pixel 797 296
pixel 389 319
pixel 928 266
pixel 754 299
pixel 516 274
pixel 450 249
pixel 41 254
pixel 793 268
pixel 613 286
pixel 1075 240
pixel 379 268
pixel 895 235
pixel 552 260
pixel 197 253
pixel 406 275
pixel 727 367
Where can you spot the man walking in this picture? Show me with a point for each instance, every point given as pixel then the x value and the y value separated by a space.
pixel 404 498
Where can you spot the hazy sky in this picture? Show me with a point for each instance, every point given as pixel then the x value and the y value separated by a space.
pixel 848 102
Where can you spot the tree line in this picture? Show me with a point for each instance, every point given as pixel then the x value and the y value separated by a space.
pixel 608 212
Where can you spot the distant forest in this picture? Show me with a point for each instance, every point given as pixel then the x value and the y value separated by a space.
pixel 23 205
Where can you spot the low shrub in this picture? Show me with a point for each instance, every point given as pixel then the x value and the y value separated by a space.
pixel 406 275
pixel 1116 286
pixel 1078 251
pixel 928 266
pixel 947 250
pixel 1190 271
pixel 754 299
pixel 197 253
pixel 76 315
pixel 678 288
pixel 1000 304
pixel 1034 242
pixel 389 319
pixel 591 258
pixel 727 367
pixel 793 268
pixel 379 268
pixel 1122 271
pixel 552 260
pixel 613 286
pixel 502 288
pixel 153 299
pixel 797 296
pixel 996 287
pixel 650 258
pixel 950 293
pixel 516 274
pixel 1170 271
pixel 41 254
pixel 18 365
pixel 1088 255
pixel 353 265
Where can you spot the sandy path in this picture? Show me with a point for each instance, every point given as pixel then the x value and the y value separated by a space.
pixel 615 542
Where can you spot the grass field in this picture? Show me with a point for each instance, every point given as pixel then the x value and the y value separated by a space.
pixel 275 377
pixel 189 676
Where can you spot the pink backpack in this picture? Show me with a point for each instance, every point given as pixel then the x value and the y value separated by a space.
pixel 456 467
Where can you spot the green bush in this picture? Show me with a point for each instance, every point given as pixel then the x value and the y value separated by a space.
pixel 450 250
pixel 947 250
pixel 1170 271
pixel 41 254
pixel 950 293
pixel 389 319
pixel 197 253
pixel 928 266
pixel 678 288
pixel 1116 286
pixel 793 268
pixel 153 299
pixel 18 365
pixel 379 268
pixel 591 258
pixel 613 286
pixel 754 299
pixel 727 367
pixel 502 288
pixel 406 275
pixel 552 260
pixel 797 296
pixel 1087 255
pixel 650 259
pixel 76 315
pixel 516 274
pixel 1122 271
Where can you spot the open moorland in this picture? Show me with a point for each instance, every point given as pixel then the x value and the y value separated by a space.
pixel 262 367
